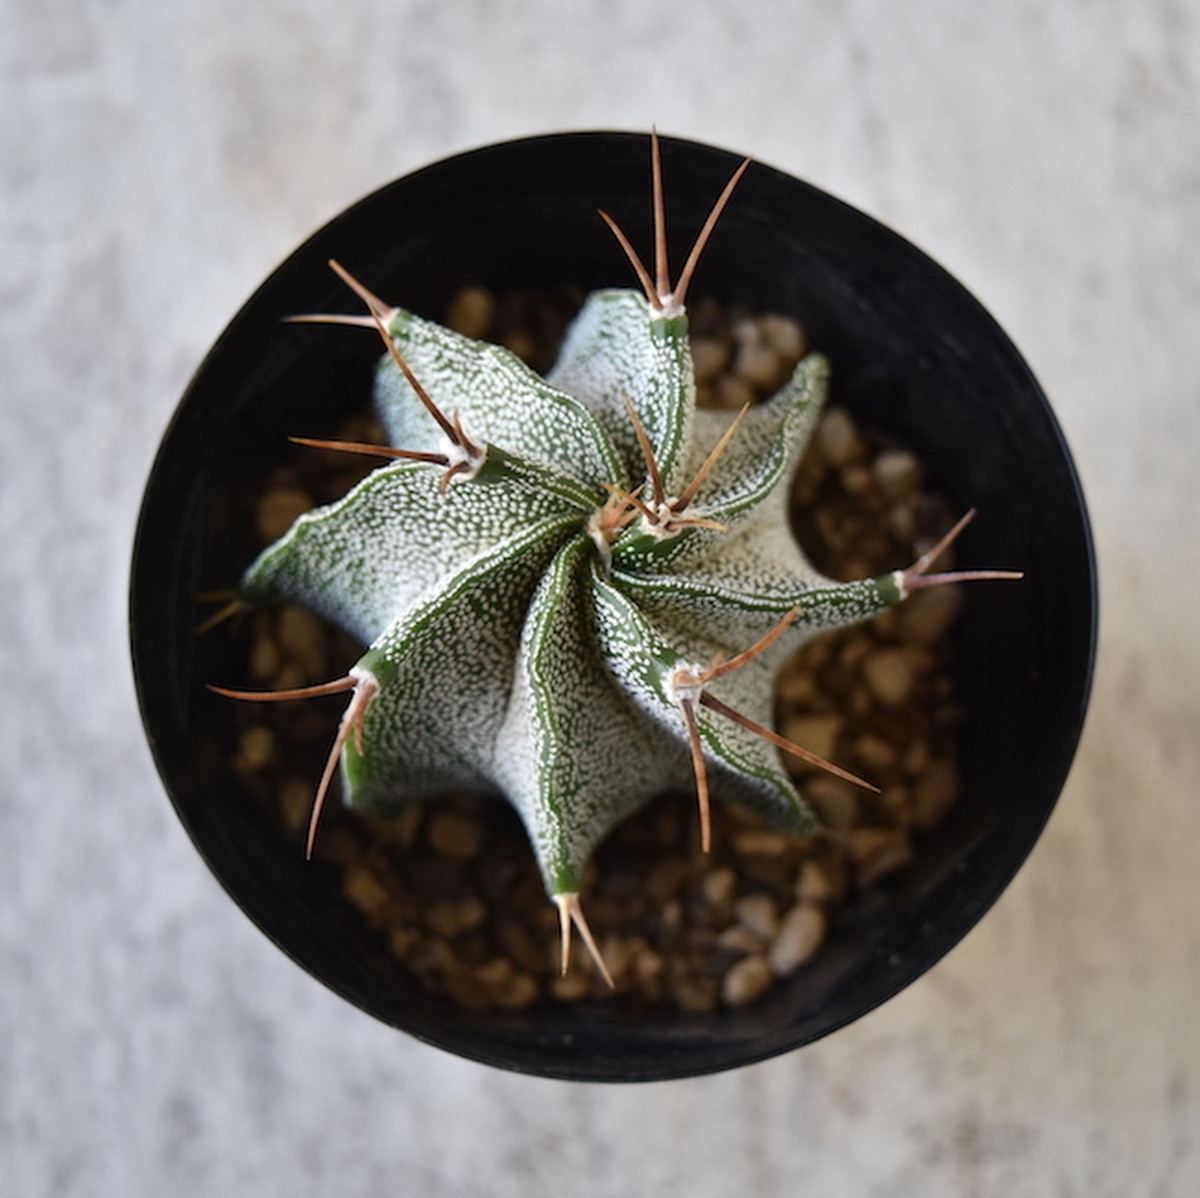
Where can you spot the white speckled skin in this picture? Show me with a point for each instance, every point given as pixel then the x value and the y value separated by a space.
pixel 516 652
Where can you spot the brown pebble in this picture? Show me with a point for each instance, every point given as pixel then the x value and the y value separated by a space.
pixel 785 336
pixel 734 392
pixel 889 674
pixel 295 801
pixel 470 312
pixel 835 800
pixel 277 511
pixel 452 917
pixel 800 935
pixel 718 886
pixel 264 659
pixel 571 986
pixel 816 733
pixel 856 478
pixel 303 639
pixel 928 614
pixel 695 994
pixel 256 747
pixel 364 890
pixel 874 752
pixel 454 835
pixel 933 793
pixel 746 980
pixel 814 884
pixel 878 851
pixel 764 843
pixel 709 358
pixel 901 522
pixel 520 344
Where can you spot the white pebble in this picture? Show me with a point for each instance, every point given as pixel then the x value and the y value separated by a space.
pixel 758 913
pixel 746 980
pixel 760 365
pixel 800 935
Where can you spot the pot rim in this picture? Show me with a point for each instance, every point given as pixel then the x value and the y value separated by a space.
pixel 573 1047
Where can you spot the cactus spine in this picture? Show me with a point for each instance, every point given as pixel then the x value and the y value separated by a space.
pixel 574 590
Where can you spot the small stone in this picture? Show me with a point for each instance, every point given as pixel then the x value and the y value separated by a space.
pixel 927 615
pixel 785 336
pixel 694 994
pixel 454 835
pixel 747 331
pixel 836 801
pixel 761 843
pixel 571 986
pixel 889 674
pixel 256 747
pixel 401 939
pixel 519 344
pixel 800 935
pixel 759 913
pixel 897 472
pixel 856 479
pixel 277 511
pixel 718 886
pixel 934 792
pixel 303 639
pixel 746 980
pixel 455 916
pixel 364 890
pixel 795 687
pixel 816 733
pixel 838 438
pixel 916 758
pixel 878 851
pixel 295 802
pixel 740 939
pixel 710 358
pixel 874 752
pixel 901 522
pixel 760 365
pixel 648 966
pixel 734 392
pixel 264 658
pixel 814 884
pixel 470 312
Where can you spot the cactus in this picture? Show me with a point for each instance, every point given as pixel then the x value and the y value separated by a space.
pixel 574 590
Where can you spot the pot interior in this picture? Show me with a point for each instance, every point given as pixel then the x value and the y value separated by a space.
pixel 913 355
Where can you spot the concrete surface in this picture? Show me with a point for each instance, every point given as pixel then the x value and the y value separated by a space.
pixel 158 160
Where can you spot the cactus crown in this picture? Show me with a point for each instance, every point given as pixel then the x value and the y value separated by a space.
pixel 574 589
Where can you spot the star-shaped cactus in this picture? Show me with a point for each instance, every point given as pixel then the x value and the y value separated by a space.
pixel 574 589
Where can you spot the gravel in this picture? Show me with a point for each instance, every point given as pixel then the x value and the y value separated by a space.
pixel 451 885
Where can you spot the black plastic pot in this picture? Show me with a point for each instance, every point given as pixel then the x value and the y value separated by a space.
pixel 913 354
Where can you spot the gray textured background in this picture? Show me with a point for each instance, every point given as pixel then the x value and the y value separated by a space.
pixel 158 159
